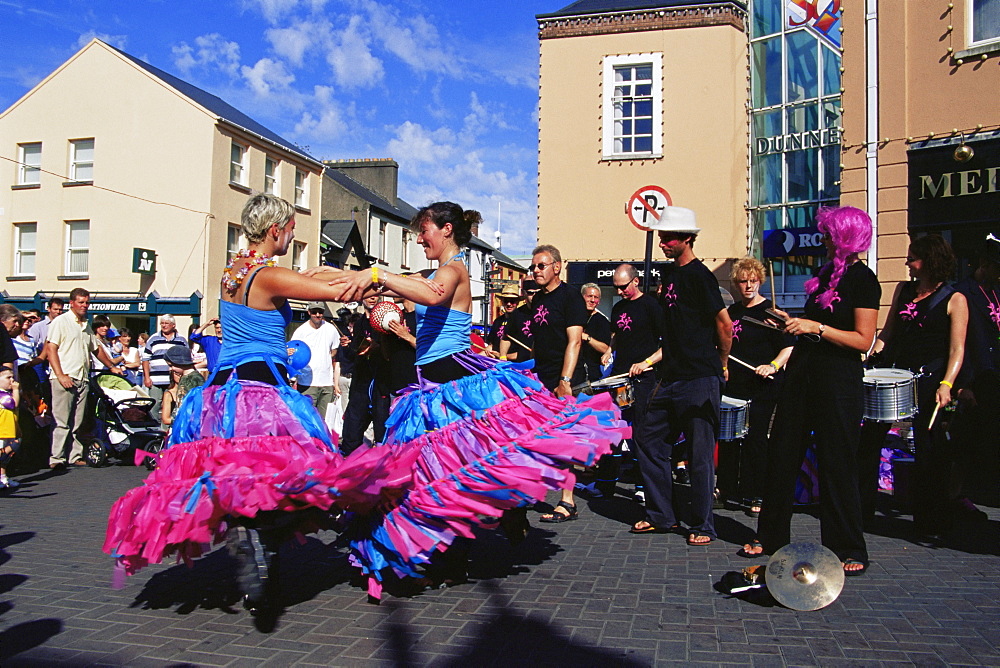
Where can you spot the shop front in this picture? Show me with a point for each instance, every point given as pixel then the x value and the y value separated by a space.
pixel 138 313
pixel 954 190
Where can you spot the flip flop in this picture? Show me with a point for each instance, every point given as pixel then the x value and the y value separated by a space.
pixel 752 555
pixel 857 571
pixel 698 543
pixel 652 528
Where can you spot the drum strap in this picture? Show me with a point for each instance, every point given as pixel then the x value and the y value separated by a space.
pixel 941 294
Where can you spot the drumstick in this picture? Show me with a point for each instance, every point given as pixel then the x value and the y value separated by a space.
pixel 930 426
pixel 528 348
pixel 742 363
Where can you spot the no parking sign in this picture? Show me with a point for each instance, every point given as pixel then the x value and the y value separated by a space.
pixel 646 205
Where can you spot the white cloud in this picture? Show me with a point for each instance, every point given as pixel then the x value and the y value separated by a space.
pixel 292 43
pixel 414 40
pixel 414 144
pixel 210 51
pixel 117 41
pixel 325 120
pixel 267 76
pixel 273 10
pixel 351 59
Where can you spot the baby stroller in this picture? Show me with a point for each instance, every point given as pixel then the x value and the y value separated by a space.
pixel 122 423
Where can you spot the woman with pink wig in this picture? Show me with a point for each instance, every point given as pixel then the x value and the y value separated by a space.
pixel 823 395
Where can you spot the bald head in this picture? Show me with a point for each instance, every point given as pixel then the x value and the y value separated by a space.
pixel 626 281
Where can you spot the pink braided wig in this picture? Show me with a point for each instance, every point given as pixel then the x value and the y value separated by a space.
pixel 850 229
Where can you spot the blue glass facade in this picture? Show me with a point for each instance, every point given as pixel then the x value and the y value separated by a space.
pixel 795 123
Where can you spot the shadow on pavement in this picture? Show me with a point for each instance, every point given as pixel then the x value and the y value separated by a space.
pixel 509 638
pixel 22 637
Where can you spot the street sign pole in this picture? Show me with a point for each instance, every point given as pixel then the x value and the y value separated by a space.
pixel 647 267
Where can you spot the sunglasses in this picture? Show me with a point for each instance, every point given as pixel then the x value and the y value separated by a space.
pixel 623 286
pixel 910 258
pixel 541 266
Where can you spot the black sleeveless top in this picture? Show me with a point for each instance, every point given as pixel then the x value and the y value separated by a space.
pixel 922 329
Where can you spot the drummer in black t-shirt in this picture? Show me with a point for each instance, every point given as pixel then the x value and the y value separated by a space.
pixel 823 394
pixel 596 334
pixel 516 343
pixel 742 462
pixel 690 368
pixel 509 298
pixel 636 323
pixel 558 316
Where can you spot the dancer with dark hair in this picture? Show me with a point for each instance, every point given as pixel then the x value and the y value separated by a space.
pixel 477 439
pixel 925 333
pixel 823 395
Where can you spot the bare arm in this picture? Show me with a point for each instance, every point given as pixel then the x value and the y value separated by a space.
pixel 443 290
pixel 106 360
pixel 599 346
pixel 860 338
pixel 780 360
pixel 724 339
pixel 646 364
pixel 958 313
pixel 52 352
pixel 575 336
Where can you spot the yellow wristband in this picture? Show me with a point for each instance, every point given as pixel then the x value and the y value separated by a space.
pixel 648 361
pixel 375 275
pixel 774 363
pixel 725 368
pixel 944 382
pixel 503 358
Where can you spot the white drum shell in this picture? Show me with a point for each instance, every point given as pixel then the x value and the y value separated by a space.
pixel 890 394
pixel 733 418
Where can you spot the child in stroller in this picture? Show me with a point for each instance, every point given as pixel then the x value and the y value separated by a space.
pixel 123 427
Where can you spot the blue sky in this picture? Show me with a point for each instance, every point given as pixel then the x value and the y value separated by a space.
pixel 447 89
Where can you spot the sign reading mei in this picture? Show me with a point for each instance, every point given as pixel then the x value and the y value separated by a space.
pixel 944 193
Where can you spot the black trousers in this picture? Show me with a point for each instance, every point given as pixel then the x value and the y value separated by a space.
pixel 743 462
pixel 690 407
pixel 824 397
pixel 609 465
pixel 366 405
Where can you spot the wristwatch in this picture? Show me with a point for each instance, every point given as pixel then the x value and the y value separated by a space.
pixel 566 379
pixel 822 328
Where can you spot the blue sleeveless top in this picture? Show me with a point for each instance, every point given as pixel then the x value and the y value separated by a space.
pixel 441 331
pixel 250 335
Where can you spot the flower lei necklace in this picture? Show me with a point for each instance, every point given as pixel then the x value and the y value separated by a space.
pixel 230 282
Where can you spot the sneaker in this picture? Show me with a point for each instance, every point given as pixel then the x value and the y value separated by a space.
pixel 639 497
pixel 6 483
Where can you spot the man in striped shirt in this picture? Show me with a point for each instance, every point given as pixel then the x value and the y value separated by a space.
pixel 155 370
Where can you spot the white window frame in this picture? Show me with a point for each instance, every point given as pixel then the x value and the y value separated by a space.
pixel 404 257
pixel 76 164
pixel 969 23
pixel 71 249
pixel 302 188
pixel 232 242
pixel 383 228
pixel 29 172
pixel 238 171
pixel 21 252
pixel 272 183
pixel 298 255
pixel 655 59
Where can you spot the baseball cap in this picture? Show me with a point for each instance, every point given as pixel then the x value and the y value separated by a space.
pixel 316 306
pixel 179 355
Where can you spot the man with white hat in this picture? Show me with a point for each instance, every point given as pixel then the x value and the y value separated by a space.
pixel 316 379
pixel 510 296
pixel 690 366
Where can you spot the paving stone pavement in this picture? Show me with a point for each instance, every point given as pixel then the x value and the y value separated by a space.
pixel 582 593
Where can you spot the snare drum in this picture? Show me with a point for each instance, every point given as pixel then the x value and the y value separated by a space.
pixel 733 418
pixel 890 394
pixel 619 388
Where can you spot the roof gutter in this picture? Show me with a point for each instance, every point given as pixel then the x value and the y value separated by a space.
pixel 313 161
pixel 637 10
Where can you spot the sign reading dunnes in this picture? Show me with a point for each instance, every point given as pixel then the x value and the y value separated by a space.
pixel 797 141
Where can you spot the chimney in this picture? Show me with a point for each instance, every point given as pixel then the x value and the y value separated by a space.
pixel 475 229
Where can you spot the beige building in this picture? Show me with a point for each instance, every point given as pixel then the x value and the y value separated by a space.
pixel 921 80
pixel 649 94
pixel 110 155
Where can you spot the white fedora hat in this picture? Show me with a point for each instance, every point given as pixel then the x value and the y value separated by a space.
pixel 676 219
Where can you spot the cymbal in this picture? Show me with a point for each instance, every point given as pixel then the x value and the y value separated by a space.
pixel 805 576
